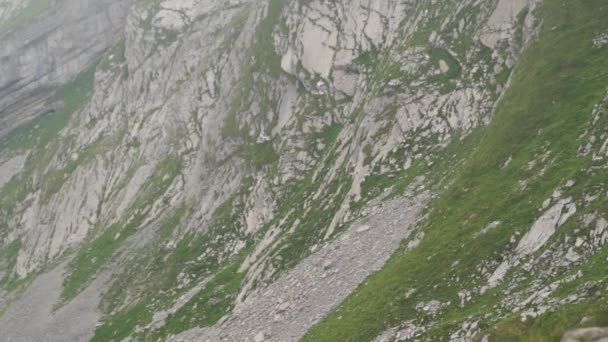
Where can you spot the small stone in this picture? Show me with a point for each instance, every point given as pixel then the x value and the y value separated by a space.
pixel 283 307
pixel 260 337
pixel 444 66
pixel 587 334
pixel 363 229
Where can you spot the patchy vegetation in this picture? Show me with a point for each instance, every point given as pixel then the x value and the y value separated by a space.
pixel 546 109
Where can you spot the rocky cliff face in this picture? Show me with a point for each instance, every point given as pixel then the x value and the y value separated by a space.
pixel 44 45
pixel 202 166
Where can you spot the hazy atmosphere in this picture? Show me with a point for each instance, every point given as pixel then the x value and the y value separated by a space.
pixel 304 170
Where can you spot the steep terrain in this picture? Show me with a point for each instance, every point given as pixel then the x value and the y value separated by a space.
pixel 45 44
pixel 349 170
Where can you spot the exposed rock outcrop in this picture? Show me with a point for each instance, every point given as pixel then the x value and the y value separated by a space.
pixel 237 168
pixel 50 49
pixel 586 335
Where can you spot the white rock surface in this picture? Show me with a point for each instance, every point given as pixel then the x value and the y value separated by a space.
pixel 500 26
pixel 535 238
pixel 11 167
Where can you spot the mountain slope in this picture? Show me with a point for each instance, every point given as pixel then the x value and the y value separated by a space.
pixel 516 245
pixel 45 44
pixel 219 163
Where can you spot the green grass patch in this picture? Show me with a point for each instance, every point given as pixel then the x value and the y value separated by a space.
pixel 551 326
pixel 8 259
pixel 261 154
pixel 266 58
pixel 159 272
pixel 558 81
pixel 206 307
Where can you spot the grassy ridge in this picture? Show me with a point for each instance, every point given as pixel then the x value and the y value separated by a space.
pixel 559 79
